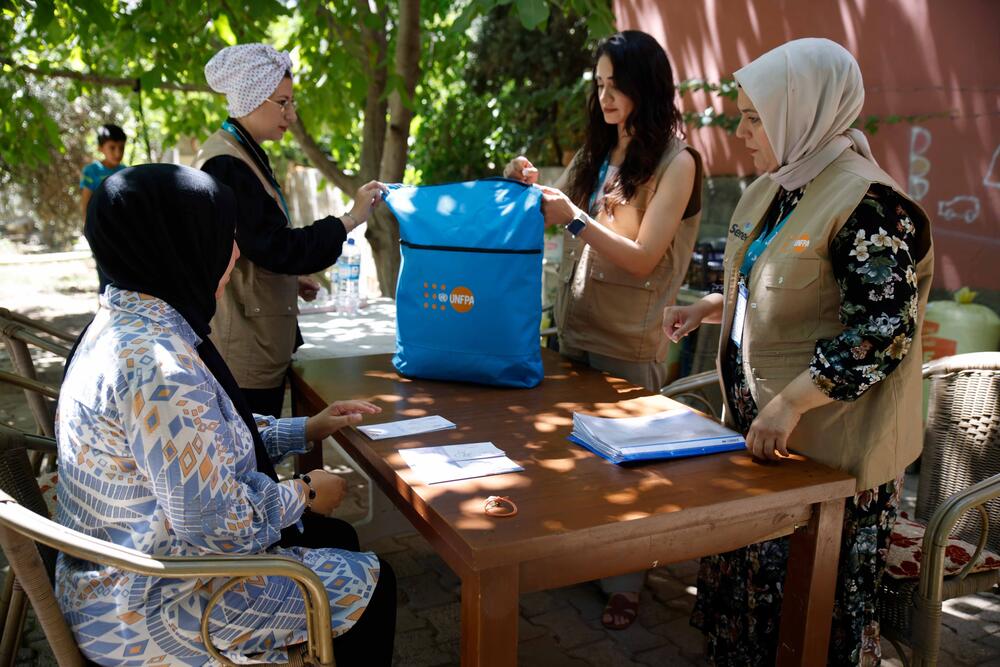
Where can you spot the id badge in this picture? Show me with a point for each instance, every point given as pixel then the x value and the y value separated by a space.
pixel 736 335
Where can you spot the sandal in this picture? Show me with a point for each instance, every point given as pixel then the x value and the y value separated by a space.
pixel 619 607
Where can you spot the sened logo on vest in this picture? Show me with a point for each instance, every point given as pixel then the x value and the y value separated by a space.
pixel 743 233
pixel 437 297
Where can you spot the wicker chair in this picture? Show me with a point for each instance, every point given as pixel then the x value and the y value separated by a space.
pixel 30 541
pixel 960 471
pixel 18 332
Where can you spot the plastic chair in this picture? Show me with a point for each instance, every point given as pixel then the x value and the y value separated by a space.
pixel 30 541
pixel 959 472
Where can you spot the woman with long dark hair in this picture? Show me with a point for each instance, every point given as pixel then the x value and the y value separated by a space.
pixel 630 203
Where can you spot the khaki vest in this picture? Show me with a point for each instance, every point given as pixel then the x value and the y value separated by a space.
pixel 604 309
pixel 794 300
pixel 254 324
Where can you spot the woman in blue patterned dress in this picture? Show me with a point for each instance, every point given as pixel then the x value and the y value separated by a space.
pixel 158 452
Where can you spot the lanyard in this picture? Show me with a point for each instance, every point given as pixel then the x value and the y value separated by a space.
pixel 231 129
pixel 597 186
pixel 758 247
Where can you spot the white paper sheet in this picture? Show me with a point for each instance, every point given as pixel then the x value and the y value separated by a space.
pixel 448 463
pixel 403 427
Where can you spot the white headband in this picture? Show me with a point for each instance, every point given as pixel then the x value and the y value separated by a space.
pixel 247 74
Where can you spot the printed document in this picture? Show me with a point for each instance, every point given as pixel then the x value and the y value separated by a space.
pixel 406 427
pixel 448 463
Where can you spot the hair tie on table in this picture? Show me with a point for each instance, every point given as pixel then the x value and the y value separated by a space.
pixel 500 506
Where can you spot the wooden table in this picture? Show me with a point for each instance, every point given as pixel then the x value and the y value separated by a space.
pixel 582 518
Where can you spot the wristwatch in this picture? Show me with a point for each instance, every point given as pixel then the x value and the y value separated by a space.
pixel 576 225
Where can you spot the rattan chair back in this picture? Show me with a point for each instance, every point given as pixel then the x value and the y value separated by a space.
pixel 962 438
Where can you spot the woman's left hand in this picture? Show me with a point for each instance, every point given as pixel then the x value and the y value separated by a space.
pixel 366 198
pixel 557 208
pixel 336 416
pixel 768 434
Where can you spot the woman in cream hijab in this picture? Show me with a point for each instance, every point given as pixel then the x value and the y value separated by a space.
pixel 828 265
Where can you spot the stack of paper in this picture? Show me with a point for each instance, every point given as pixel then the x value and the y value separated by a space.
pixel 406 427
pixel 451 462
pixel 669 434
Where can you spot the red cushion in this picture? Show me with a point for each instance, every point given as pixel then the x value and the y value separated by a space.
pixel 906 546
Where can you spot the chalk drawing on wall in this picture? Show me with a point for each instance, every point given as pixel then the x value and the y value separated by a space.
pixel 920 166
pixel 992 178
pixel 963 207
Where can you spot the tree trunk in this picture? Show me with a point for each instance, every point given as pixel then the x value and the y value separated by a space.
pixel 401 106
pixel 383 236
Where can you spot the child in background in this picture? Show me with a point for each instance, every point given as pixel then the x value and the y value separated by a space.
pixel 111 144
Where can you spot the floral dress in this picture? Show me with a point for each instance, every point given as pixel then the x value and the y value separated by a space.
pixel 154 457
pixel 739 593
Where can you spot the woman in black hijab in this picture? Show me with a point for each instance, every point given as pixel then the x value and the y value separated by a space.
pixel 158 450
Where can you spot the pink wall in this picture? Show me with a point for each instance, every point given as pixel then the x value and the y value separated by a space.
pixel 917 57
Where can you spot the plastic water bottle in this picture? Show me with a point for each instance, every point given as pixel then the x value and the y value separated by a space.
pixel 343 277
pixel 351 276
pixel 335 285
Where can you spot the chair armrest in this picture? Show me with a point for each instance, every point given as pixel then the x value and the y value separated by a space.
pixel 40 443
pixel 940 526
pixel 691 383
pixel 30 385
pixel 18 332
pixel 970 361
pixel 55 332
pixel 22 520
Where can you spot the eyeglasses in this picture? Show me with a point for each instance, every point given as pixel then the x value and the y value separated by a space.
pixel 285 105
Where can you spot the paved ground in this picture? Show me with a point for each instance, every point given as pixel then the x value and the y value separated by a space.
pixel 560 627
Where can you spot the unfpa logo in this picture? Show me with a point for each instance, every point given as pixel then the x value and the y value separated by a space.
pixel 437 297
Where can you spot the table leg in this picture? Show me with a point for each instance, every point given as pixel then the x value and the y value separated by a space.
pixel 810 587
pixel 489 617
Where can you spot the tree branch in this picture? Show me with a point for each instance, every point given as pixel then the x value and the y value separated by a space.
pixel 330 169
pixel 101 79
pixel 346 40
pixel 407 68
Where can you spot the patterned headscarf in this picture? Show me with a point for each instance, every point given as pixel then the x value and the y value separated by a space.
pixel 807 93
pixel 247 74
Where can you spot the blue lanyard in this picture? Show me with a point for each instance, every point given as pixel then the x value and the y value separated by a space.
pixel 228 127
pixel 597 186
pixel 758 247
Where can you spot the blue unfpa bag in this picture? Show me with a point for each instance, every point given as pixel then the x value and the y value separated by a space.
pixel 468 301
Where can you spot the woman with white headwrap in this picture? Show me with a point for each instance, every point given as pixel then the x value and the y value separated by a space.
pixel 255 327
pixel 827 269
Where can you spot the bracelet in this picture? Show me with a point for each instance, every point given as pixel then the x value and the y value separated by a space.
pixel 499 506
pixel 353 219
pixel 312 491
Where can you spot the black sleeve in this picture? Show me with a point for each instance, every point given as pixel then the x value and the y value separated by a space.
pixel 874 266
pixel 262 232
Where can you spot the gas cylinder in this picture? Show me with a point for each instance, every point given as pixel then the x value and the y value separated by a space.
pixel 956 327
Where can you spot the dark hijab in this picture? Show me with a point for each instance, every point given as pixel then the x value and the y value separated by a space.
pixel 167 231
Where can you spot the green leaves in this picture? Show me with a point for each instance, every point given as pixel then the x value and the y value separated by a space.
pixel 533 13
pixel 45 11
pixel 222 29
